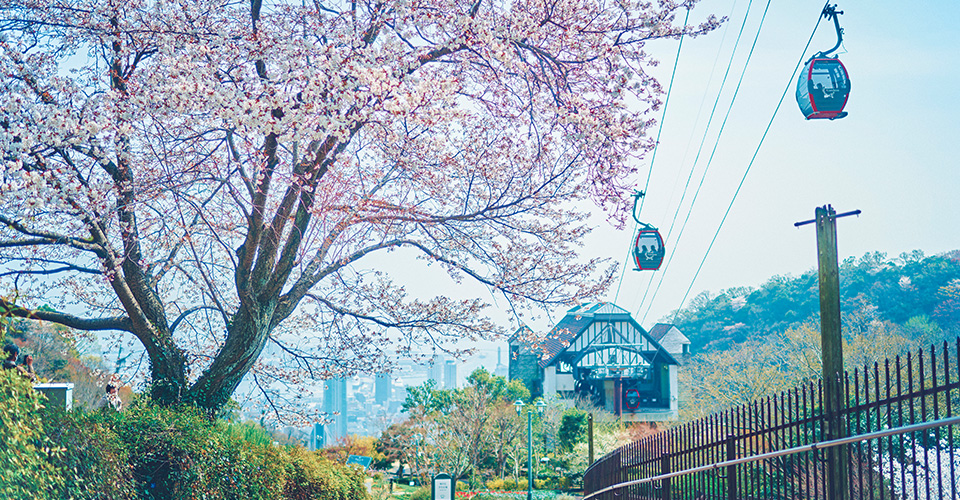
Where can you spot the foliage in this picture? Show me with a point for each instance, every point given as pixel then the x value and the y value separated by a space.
pixel 148 452
pixel 366 446
pixel 64 355
pixel 211 175
pixel 911 288
pixel 424 493
pixel 426 398
pixel 25 451
pixel 400 442
pixel 719 379
pixel 573 429
pixel 756 342
pixel 312 477
pixel 462 431
pixel 95 461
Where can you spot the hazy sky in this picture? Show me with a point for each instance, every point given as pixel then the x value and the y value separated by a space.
pixel 895 157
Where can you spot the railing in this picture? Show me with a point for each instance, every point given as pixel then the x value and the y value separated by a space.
pixel 772 448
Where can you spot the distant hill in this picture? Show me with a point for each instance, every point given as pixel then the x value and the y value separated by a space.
pixel 918 293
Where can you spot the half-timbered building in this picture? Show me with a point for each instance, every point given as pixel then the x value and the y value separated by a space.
pixel 599 353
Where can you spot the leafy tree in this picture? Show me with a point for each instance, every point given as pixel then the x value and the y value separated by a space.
pixel 427 399
pixel 508 432
pixel 573 429
pixel 214 176
pixel 872 288
pixel 467 429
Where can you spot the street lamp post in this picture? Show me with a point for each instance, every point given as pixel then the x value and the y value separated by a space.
pixel 519 404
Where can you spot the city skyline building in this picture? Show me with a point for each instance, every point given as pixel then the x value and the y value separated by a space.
pixel 335 407
pixel 450 374
pixel 382 390
pixel 435 372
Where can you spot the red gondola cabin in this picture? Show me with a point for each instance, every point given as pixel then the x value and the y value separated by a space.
pixel 823 88
pixel 648 250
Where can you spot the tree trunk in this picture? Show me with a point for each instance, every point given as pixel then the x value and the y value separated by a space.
pixel 246 337
pixel 167 370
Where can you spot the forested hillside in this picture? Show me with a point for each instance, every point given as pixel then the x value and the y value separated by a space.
pixel 920 293
pixel 753 342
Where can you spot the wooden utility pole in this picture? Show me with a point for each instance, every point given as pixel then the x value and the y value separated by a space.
pixel 828 264
pixel 831 348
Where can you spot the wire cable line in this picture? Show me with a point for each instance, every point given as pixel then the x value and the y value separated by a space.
pixel 653 157
pixel 696 159
pixel 713 152
pixel 749 166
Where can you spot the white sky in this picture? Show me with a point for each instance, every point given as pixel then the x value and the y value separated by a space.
pixel 895 157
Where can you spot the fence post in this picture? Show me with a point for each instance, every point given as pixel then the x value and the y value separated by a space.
pixel 665 483
pixel 731 443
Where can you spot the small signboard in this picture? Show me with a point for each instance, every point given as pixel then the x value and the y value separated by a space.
pixel 360 460
pixel 444 488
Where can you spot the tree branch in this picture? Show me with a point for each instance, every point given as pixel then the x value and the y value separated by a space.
pixel 121 323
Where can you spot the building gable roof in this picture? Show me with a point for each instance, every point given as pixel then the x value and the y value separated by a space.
pixel 576 321
pixel 659 331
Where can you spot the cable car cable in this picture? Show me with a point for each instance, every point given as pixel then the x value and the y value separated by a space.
pixel 653 157
pixel 716 59
pixel 747 171
pixel 700 150
pixel 713 152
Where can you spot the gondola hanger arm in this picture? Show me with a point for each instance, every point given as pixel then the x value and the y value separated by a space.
pixel 831 12
pixel 636 199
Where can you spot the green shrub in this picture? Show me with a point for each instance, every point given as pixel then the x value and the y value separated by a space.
pixel 495 484
pixel 248 432
pixel 250 466
pixel 424 493
pixel 312 477
pixel 93 460
pixel 25 469
pixel 151 453
pixel 170 450
pixel 544 484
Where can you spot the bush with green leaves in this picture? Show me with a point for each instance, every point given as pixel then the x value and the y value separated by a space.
pixel 423 493
pixel 148 453
pixel 26 470
pixel 312 477
pixel 151 453
pixel 93 459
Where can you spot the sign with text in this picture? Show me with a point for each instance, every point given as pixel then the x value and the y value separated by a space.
pixel 443 487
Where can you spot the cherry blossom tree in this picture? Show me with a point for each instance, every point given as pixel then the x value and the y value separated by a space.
pixel 211 176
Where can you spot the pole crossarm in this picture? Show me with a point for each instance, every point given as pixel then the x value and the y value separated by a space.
pixel 845 214
pixel 789 451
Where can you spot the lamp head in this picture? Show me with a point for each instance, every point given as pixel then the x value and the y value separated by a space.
pixel 541 405
pixel 519 404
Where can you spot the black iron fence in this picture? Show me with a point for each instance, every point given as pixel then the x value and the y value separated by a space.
pixel 904 461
